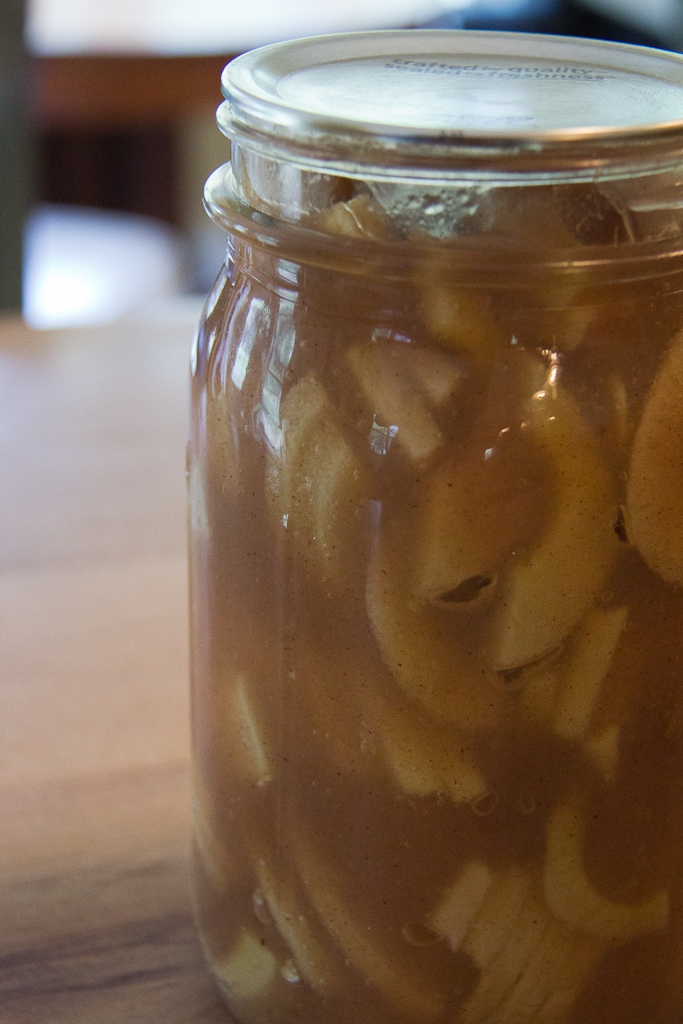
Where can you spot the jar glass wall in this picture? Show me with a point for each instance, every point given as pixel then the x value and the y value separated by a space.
pixel 435 478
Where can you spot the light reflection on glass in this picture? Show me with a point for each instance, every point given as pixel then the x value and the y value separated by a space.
pixel 279 357
pixel 257 321
pixel 290 191
pixel 381 438
pixel 388 334
pixel 240 309
pixel 288 270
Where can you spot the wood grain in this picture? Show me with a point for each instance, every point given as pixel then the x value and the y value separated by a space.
pixel 95 911
pixel 97 922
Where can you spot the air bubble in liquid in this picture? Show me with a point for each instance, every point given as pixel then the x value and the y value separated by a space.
pixel 261 908
pixel 486 804
pixel 290 973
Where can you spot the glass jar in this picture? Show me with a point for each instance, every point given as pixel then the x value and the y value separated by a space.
pixel 436 481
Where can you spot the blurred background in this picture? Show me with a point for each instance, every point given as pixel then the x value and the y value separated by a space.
pixel 107 128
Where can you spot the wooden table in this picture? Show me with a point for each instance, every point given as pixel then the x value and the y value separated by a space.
pixel 95 920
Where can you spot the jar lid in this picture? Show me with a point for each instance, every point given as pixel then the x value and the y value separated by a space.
pixel 388 97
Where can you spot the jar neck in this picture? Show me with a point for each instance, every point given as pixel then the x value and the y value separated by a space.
pixel 512 234
pixel 448 206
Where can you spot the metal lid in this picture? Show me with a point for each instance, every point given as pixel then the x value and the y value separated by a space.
pixel 389 97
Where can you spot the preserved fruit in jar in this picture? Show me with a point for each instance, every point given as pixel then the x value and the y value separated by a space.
pixel 436 540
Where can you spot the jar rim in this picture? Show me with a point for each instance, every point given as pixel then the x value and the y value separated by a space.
pixel 362 100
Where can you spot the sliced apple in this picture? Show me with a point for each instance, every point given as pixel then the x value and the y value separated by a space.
pixel 484 499
pixel 593 649
pixel 217 863
pixel 251 743
pixel 540 685
pixel 654 493
pixel 290 920
pixel 524 954
pixel 551 585
pixel 401 383
pixel 495 924
pixel 360 217
pixel 315 485
pixel 503 972
pixel 196 496
pixel 249 969
pixel 423 649
pixel 575 901
pixel 462 904
pixel 403 989
pixel 461 319
pixel 560 964
pixel 603 750
pixel 422 757
pixel 328 695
